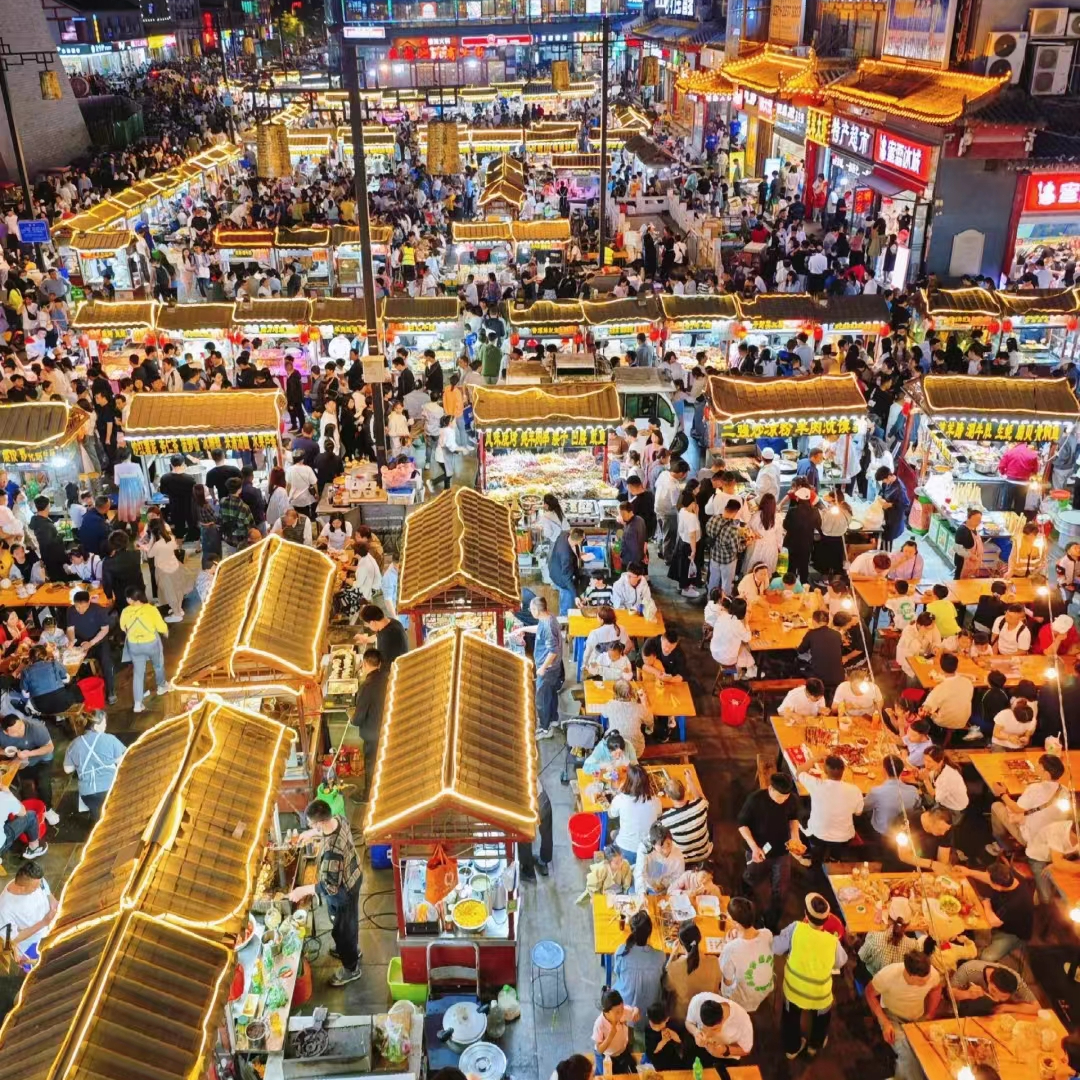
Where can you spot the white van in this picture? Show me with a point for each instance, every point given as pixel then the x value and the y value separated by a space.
pixel 647 396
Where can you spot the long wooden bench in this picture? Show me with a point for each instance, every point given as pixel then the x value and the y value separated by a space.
pixel 681 752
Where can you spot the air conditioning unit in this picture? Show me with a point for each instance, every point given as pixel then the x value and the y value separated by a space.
pixel 1072 25
pixel 1005 54
pixel 1051 68
pixel 1048 22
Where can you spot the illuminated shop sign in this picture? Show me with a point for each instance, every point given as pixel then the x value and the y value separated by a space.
pixel 181 444
pixel 1029 431
pixel 547 438
pixel 786 429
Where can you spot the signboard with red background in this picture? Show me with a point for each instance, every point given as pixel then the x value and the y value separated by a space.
pixel 1048 192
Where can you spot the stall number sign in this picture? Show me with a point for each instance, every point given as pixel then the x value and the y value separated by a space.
pixel 545 438
pixel 786 429
pixel 848 135
pixel 186 444
pixel 1029 431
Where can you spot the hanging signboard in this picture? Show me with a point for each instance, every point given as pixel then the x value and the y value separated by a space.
pixel 545 438
pixel 196 444
pixel 786 429
pixel 1028 431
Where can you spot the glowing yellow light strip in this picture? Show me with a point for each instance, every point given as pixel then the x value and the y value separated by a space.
pixel 198 401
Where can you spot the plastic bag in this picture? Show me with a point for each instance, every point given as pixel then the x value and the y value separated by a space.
pixel 874 516
pixel 442 877
pixel 508 1002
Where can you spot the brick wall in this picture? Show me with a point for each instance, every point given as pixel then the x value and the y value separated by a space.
pixel 52 132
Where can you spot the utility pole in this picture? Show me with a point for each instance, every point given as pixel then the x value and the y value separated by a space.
pixel 10 59
pixel 605 24
pixel 350 79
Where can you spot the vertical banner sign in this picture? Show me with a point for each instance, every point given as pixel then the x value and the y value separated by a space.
pixel 650 71
pixel 560 75
pixel 818 124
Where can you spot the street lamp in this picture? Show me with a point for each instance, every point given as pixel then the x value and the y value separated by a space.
pixel 10 58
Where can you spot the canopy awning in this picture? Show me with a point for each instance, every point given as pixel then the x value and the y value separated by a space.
pixel 227 413
pixel 33 432
pixel 192 318
pixel 339 311
pixel 707 83
pixel 421 309
pixel 735 397
pixel 981 395
pixel 553 230
pixel 569 404
pixel 912 90
pixel 456 757
pixel 349 235
pixel 782 307
pixel 631 310
pixel 89 243
pixel 861 310
pixel 316 236
pixel 114 315
pixel 481 232
pixel 1036 302
pixel 775 71
pixel 959 303
pixel 548 313
pixel 264 620
pixel 459 547
pixel 699 308
pixel 268 312
pixel 226 236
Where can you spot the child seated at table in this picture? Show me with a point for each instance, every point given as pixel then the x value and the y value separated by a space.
pixel 51 634
pixel 695 883
pixel 916 742
pixel 667 1045
pixel 1013 728
pixel 789 583
pixel 597 593
pixel 612 752
pixel 612 664
pixel 610 872
pixel 714 606
pixel 901 606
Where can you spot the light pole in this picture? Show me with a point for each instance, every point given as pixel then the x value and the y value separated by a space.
pixel 9 58
pixel 605 24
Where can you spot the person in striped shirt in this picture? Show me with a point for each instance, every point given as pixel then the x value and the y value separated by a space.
pixel 688 821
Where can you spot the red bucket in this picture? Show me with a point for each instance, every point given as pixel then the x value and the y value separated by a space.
pixel 584 834
pixel 92 689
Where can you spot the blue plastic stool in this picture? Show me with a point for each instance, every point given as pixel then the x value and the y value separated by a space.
pixel 548 967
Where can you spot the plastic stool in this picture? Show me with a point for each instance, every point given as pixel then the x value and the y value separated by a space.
pixel 548 963
pixel 913 694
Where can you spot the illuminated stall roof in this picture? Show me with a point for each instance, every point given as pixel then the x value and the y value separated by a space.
pixel 421 309
pixel 113 240
pixel 548 313
pixel 775 71
pixel 228 236
pixel 192 318
pixel 713 308
pixel 292 311
pixel 957 303
pixel 481 232
pixel 115 315
pixel 264 620
pixel 629 310
pixel 314 236
pixel 982 395
pixel 862 310
pixel 734 397
pixel 339 311
pixel 349 235
pixel 227 412
pixel 568 403
pixel 456 755
pixel 554 229
pixel 782 307
pixel 460 543
pixel 32 432
pixel 1032 303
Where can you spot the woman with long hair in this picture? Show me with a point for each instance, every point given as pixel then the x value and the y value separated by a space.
pixel 689 971
pixel 636 806
pixel 174 580
pixel 277 499
pixel 639 968
pixel 684 563
pixel 209 529
pixel 765 525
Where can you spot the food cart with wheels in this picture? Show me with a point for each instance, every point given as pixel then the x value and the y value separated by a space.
pixel 958 429
pixel 698 324
pixel 243 247
pixel 192 327
pixel 260 637
pixel 537 440
pixel 547 322
pixel 40 441
pixel 108 254
pixel 771 320
pixel 154 920
pixel 1045 323
pixel 423 322
pixel 282 327
pixel 242 422
pixel 459 565
pixel 309 249
pixel 615 324
pixel 111 329
pixel 479 248
pixel 743 409
pixel 455 783
pixel 345 248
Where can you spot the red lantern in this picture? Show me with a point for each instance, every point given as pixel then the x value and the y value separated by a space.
pixel 654 334
pixel 393 53
pixel 424 52
pixel 531 343
pixel 1072 322
pixel 738 331
pixel 578 339
pixel 409 52
pixel 305 335
pixel 84 341
pixel 883 330
pixel 818 332
pixel 993 326
pixel 566 341
pixel 515 340
pixel 1007 325
pixel 930 324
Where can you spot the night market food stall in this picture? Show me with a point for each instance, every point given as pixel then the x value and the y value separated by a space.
pixel 345 249
pixel 112 329
pixel 40 441
pixel 771 320
pixel 260 638
pixel 581 175
pixel 309 248
pixel 197 423
pixel 459 565
pixel 191 327
pixel 615 324
pixel 479 247
pixel 1044 323
pixel 243 246
pixel 282 326
pixel 110 255
pixel 744 409
pixel 965 424
pixel 423 322
pixel 153 920
pixel 547 322
pixel 536 440
pixel 861 318
pixel 699 324
pixel 455 780
pixel 339 321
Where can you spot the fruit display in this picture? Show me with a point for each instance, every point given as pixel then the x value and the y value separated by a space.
pixel 572 475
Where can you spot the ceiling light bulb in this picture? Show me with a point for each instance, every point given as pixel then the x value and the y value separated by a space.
pixel 965 1073
pixel 1063 804
pixel 864 687
pixel 1050 673
pixel 902 839
pixel 846 603
pixel 1042 590
pixel 1074 914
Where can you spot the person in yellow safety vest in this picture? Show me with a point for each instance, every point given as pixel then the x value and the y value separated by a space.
pixel 408 263
pixel 813 954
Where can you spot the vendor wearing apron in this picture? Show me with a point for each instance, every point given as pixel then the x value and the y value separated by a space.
pixel 94 756
pixel 968 547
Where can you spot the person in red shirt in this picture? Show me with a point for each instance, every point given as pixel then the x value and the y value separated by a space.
pixel 1057 638
pixel 1018 465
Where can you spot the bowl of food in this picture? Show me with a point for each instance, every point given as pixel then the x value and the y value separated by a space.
pixel 470 915
pixel 949 905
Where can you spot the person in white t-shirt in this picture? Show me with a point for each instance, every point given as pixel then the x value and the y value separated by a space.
pixel 859 695
pixel 804 701
pixel 721 1028
pixel 1024 817
pixel 1010 633
pixel 746 960
pixel 27 906
pixel 730 639
pixel 834 803
pixel 1057 838
pixel 1013 728
pixel 901 994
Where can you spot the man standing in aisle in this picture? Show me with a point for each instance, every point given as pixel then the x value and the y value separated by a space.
pixel 669 486
pixel 294 396
pixel 338 884
pixel 548 660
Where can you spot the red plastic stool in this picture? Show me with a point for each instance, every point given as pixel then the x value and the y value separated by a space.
pixel 37 807
pixel 913 694
pixel 734 704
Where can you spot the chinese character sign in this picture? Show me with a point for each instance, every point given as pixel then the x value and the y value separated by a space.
pixel 788 429
pixel 848 135
pixel 200 444
pixel 1047 192
pixel 902 154
pixel 818 125
pixel 1029 431
pixel 544 439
